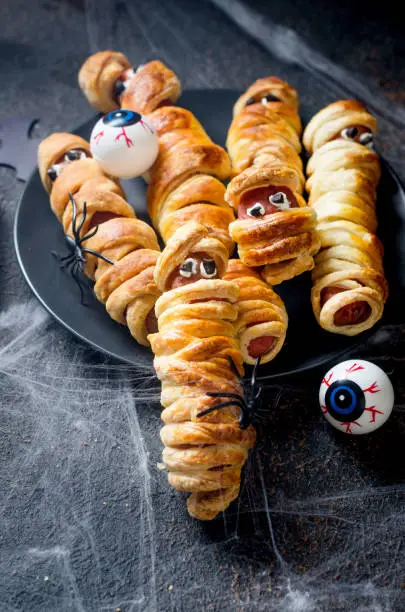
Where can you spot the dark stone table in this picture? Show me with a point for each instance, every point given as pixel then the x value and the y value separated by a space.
pixel 88 522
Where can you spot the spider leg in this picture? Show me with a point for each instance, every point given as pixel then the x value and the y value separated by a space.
pixel 234 368
pixel 75 275
pixel 78 276
pixel 89 235
pixel 258 394
pixel 83 219
pixel 253 379
pixel 221 405
pixel 74 216
pixel 99 255
pixel 235 395
pixel 67 258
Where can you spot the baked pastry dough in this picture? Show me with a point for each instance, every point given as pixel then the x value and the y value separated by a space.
pixel 275 227
pixel 262 319
pixel 185 182
pixel 154 84
pixel 349 288
pixel 285 238
pixel 203 454
pixel 127 288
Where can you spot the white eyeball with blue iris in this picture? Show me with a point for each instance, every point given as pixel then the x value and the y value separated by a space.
pixel 124 143
pixel 356 396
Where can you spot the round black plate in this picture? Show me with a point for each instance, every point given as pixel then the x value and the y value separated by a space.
pixel 37 232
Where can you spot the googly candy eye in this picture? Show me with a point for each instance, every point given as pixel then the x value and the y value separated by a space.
pixel 188 268
pixel 74 155
pixel 280 200
pixel 366 139
pixel 356 397
pixel 52 173
pixel 257 210
pixel 269 98
pixel 208 268
pixel 349 133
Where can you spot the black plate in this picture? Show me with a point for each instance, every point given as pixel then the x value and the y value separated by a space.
pixel 37 232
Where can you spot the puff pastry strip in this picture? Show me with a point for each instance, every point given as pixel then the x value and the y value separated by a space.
pixel 185 182
pixel 127 288
pixel 262 319
pixel 275 227
pixel 204 455
pixel 349 287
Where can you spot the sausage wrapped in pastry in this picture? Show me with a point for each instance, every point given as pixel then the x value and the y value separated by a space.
pixel 127 288
pixel 275 227
pixel 185 182
pixel 193 348
pixel 262 319
pixel 349 287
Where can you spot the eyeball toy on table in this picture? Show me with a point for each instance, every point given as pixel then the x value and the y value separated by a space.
pixel 356 396
pixel 124 143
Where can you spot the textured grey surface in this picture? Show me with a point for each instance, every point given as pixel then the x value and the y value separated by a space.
pixel 87 519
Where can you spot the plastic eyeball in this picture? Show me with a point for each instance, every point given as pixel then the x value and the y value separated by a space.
pixel 356 397
pixel 124 143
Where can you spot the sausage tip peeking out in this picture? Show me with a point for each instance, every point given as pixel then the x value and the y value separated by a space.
pixel 274 228
pixel 194 348
pixel 349 287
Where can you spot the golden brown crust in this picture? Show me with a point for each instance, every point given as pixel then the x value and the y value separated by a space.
pixel 343 178
pixel 273 85
pixel 54 147
pixel 193 238
pixel 287 236
pixel 97 78
pixel 264 145
pixel 127 287
pixel 261 312
pixel 152 84
pixel 204 455
pixel 185 180
pixel 332 119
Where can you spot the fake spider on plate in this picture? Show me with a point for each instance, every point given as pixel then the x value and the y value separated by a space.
pixel 250 405
pixel 75 260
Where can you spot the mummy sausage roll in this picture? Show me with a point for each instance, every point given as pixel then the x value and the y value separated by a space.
pixel 275 227
pixel 196 314
pixel 262 319
pixel 127 287
pixel 185 182
pixel 349 288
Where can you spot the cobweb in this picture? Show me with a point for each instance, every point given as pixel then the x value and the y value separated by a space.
pixel 88 521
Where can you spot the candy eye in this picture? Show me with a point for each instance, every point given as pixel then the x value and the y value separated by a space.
pixel 74 155
pixel 367 139
pixel 208 268
pixel 345 401
pixel 279 200
pixel 188 268
pixel 250 101
pixel 121 118
pixel 269 98
pixel 119 88
pixel 349 133
pixel 52 173
pixel 257 210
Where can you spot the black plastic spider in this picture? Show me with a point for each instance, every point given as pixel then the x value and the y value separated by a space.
pixel 248 407
pixel 76 258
